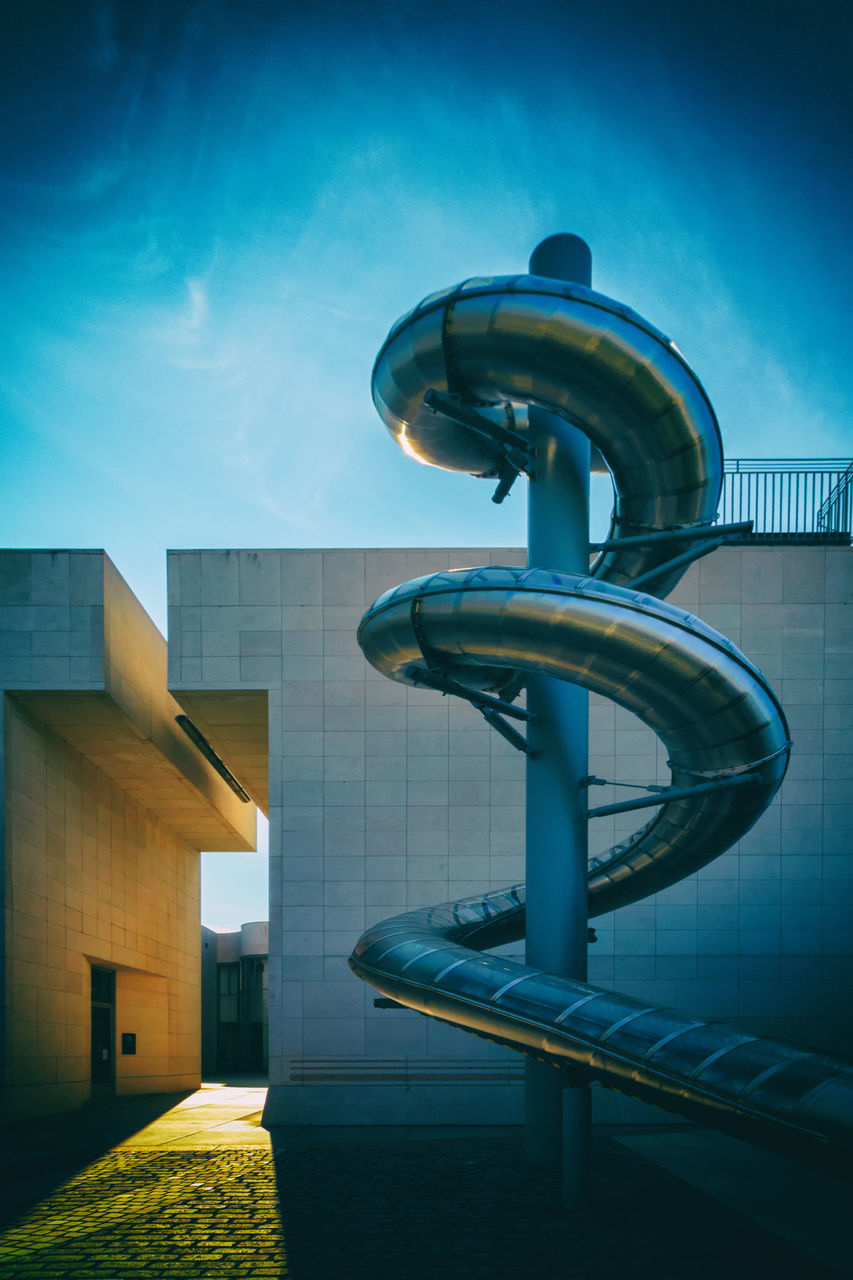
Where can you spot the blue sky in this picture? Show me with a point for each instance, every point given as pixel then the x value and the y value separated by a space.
pixel 213 211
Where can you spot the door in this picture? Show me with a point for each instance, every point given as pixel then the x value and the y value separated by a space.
pixel 103 1032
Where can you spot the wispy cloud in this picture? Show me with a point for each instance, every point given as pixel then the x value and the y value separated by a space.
pixel 186 336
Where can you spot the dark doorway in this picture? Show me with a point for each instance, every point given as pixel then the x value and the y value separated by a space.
pixel 103 1032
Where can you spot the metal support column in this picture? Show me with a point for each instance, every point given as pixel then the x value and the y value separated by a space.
pixel 557 1113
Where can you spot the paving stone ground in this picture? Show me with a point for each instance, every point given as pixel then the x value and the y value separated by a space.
pixel 474 1210
pixel 176 1202
pixel 154 1213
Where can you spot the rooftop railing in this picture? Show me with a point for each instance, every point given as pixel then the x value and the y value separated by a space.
pixel 790 499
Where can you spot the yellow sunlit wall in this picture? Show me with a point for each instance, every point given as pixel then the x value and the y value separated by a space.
pixel 106 804
pixel 92 877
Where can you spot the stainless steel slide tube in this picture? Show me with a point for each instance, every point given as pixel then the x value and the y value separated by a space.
pixel 502 344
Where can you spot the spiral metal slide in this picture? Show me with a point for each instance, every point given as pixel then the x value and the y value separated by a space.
pixel 481 353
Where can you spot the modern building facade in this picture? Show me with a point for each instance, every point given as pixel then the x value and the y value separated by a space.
pixel 383 797
pixel 106 804
pixel 380 798
pixel 234 1000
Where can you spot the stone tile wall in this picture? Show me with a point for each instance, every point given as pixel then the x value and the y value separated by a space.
pixel 383 798
pixel 52 619
pixel 91 877
pixel 89 874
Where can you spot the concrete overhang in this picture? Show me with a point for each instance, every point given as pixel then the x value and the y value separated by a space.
pixel 237 725
pixel 154 763
pixel 125 723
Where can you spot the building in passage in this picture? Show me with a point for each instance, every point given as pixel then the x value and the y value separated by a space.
pixel 106 804
pixel 382 797
pixel 234 1000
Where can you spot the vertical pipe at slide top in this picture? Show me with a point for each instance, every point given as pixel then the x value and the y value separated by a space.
pixel 556 1114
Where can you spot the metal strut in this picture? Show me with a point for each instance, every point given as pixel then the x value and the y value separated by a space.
pixel 705 537
pixel 687 533
pixel 666 794
pixel 517 453
pixel 492 709
pixel 696 552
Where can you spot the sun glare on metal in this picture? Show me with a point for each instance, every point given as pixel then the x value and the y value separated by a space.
pixel 408 448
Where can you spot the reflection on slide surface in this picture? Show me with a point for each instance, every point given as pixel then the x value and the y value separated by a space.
pixel 496 346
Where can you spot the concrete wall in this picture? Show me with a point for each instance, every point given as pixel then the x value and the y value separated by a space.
pixel 383 798
pixel 763 936
pixel 105 804
pixel 92 877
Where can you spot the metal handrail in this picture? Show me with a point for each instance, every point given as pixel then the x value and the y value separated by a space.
pixel 790 498
pixel 835 512
pixel 786 464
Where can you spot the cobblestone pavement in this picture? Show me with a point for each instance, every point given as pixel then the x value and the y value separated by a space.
pixel 142 1212
pixel 407 1208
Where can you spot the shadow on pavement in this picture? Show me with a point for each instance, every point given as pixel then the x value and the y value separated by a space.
pixel 471 1207
pixel 38 1155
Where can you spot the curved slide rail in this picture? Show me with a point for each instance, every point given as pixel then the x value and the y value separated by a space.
pixel 501 344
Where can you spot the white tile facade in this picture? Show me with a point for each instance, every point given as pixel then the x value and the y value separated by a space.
pixel 383 798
